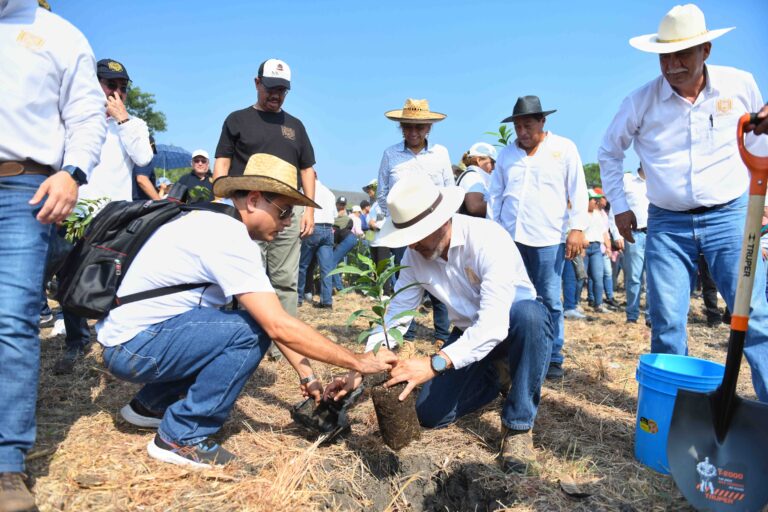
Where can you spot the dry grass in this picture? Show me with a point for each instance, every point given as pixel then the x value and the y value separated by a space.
pixel 87 458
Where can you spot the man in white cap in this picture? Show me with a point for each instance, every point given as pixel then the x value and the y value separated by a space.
pixel 502 334
pixel 682 125
pixel 192 356
pixel 535 179
pixel 265 127
pixel 200 176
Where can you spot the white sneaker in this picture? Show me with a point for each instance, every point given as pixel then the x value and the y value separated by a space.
pixel 58 328
pixel 574 314
pixel 308 297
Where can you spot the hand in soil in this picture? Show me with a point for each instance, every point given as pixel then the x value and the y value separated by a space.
pixel 341 386
pixel 312 389
pixel 374 363
pixel 413 371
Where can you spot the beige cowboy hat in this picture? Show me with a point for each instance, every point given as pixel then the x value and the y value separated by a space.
pixel 682 27
pixel 265 173
pixel 417 208
pixel 416 112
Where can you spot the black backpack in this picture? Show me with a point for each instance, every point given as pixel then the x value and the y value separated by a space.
pixel 93 271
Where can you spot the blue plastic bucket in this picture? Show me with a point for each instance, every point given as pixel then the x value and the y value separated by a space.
pixel 659 377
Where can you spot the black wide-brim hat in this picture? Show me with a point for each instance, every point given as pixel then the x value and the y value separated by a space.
pixel 527 106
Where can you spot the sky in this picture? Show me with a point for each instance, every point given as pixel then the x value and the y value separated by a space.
pixel 353 60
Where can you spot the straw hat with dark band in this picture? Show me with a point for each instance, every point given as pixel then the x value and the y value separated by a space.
pixel 416 112
pixel 682 27
pixel 265 173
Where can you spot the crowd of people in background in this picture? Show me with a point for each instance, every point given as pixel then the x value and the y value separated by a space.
pixel 500 245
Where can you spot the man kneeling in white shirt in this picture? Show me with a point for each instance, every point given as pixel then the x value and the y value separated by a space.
pixel 502 334
pixel 184 345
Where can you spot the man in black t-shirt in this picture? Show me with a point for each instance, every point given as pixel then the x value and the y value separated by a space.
pixel 266 128
pixel 199 177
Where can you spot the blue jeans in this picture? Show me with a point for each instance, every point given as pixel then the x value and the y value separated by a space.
pixel 545 268
pixel 634 268
pixel 593 264
pixel 23 253
pixel 440 318
pixel 571 287
pixel 674 242
pixel 319 243
pixel 339 253
pixel 206 355
pixel 607 276
pixel 526 350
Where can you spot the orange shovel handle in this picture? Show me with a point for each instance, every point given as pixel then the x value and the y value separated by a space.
pixel 757 165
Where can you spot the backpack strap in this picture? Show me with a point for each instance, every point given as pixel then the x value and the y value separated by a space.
pixel 227 210
pixel 461 176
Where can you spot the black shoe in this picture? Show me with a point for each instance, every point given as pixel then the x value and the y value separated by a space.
pixel 204 454
pixel 138 415
pixel 66 363
pixel 727 317
pixel 714 321
pixel 591 303
pixel 647 321
pixel 612 304
pixel 555 371
pixel 320 305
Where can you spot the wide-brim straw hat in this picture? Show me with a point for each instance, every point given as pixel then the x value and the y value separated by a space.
pixel 416 112
pixel 265 173
pixel 417 208
pixel 682 27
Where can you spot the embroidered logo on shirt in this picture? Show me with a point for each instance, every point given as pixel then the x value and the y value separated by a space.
pixel 115 66
pixel 557 155
pixel 288 133
pixel 29 40
pixel 473 279
pixel 724 106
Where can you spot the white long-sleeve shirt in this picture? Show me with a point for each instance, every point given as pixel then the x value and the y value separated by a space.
pixel 529 194
pixel 126 145
pixel 483 276
pixel 398 161
pixel 51 105
pixel 327 213
pixel 637 198
pixel 688 151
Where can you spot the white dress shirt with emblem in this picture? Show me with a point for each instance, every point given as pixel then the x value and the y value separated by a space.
pixel 688 151
pixel 126 145
pixel 529 194
pixel 51 108
pixel 399 161
pixel 483 277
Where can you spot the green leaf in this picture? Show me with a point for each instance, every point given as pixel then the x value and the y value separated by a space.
pixel 365 260
pixel 403 314
pixel 379 310
pixel 402 289
pixel 376 348
pixel 396 335
pixel 346 269
pixel 363 335
pixel 384 276
pixel 382 265
pixel 354 316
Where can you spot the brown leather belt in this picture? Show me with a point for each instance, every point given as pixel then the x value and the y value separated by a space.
pixel 17 167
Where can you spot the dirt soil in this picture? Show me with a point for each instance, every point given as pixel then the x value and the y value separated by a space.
pixel 88 458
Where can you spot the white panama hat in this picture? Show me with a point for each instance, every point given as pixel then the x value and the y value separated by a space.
pixel 682 27
pixel 417 208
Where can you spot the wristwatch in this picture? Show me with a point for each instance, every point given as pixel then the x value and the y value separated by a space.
pixel 307 380
pixel 77 174
pixel 438 363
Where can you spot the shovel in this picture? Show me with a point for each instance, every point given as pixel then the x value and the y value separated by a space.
pixel 718 442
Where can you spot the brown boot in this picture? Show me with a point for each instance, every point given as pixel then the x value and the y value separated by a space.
pixel 14 495
pixel 517 452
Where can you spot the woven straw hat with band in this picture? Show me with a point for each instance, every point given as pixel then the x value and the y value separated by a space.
pixel 416 112
pixel 265 173
pixel 682 27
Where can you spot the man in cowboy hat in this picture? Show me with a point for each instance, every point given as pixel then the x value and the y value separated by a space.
pixel 502 334
pixel 265 127
pixel 683 127
pixel 535 179
pixel 185 345
pixel 415 155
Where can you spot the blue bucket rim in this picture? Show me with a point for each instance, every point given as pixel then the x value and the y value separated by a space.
pixel 642 365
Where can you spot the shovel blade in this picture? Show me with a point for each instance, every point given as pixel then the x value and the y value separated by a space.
pixel 719 475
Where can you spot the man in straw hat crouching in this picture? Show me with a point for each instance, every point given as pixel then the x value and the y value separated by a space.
pixel 683 127
pixel 183 344
pixel 502 334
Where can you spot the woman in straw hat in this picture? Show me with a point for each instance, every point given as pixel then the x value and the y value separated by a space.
pixel 415 155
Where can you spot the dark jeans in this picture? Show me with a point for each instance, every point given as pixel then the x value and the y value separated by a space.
pixel 708 291
pixel 526 350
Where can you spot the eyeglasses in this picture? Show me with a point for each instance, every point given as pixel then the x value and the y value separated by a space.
pixel 200 160
pixel 284 213
pixel 112 85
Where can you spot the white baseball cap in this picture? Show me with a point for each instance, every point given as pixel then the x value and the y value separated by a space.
pixel 200 152
pixel 356 208
pixel 483 149
pixel 275 73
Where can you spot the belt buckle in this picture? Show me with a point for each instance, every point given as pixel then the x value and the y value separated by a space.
pixel 11 169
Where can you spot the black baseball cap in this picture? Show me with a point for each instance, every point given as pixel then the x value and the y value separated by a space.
pixel 108 68
pixel 341 200
pixel 275 73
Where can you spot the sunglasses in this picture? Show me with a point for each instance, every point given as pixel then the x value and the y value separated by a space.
pixel 284 213
pixel 112 85
pixel 200 160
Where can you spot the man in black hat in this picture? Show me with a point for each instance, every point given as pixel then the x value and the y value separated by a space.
pixel 535 179
pixel 126 146
pixel 265 127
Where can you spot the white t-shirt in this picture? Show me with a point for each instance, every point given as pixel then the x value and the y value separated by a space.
pixel 476 180
pixel 196 248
